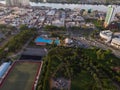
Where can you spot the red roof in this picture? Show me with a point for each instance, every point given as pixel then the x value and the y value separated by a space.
pixel 40 43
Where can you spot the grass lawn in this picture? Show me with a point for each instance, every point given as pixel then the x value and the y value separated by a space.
pixel 21 77
pixel 82 82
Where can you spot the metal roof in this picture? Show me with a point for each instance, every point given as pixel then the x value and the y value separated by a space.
pixel 35 51
pixel 3 68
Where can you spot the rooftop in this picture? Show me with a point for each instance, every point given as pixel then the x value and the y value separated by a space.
pixel 107 33
pixel 35 51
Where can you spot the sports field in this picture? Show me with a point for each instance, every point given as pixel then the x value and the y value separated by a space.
pixel 21 77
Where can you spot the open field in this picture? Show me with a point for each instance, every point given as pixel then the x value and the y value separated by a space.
pixel 21 76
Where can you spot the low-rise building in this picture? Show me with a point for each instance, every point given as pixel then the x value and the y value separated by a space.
pixel 51 13
pixel 112 38
pixel 68 41
pixel 58 23
pixel 116 40
pixel 106 35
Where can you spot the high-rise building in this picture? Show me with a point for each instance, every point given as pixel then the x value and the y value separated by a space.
pixel 17 2
pixel 110 15
pixel 44 0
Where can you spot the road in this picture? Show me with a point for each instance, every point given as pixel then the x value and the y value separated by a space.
pixel 5 41
pixel 116 52
pixel 89 43
pixel 23 48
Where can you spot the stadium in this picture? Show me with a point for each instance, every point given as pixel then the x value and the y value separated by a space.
pixel 22 74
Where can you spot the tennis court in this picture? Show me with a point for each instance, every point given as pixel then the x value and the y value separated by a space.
pixel 22 76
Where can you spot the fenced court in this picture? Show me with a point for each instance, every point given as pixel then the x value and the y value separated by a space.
pixel 22 76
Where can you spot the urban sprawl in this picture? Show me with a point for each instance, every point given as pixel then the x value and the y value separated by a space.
pixel 61 29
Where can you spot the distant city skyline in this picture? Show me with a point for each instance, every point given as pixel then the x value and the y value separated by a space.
pixel 72 6
pixel 17 2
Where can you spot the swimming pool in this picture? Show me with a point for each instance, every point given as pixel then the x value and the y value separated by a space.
pixel 48 41
pixel 57 41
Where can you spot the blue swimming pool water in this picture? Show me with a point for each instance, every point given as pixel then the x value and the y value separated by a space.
pixel 40 39
pixel 57 42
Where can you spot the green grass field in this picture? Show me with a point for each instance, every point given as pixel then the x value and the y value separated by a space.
pixel 21 77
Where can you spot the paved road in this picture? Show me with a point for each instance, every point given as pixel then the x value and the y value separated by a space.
pixel 98 44
pixel 116 52
pixel 21 51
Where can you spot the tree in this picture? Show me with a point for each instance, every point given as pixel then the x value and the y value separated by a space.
pixel 23 27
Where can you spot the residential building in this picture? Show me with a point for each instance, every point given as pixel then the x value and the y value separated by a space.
pixel 106 35
pixel 110 15
pixel 17 2
pixel 116 40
